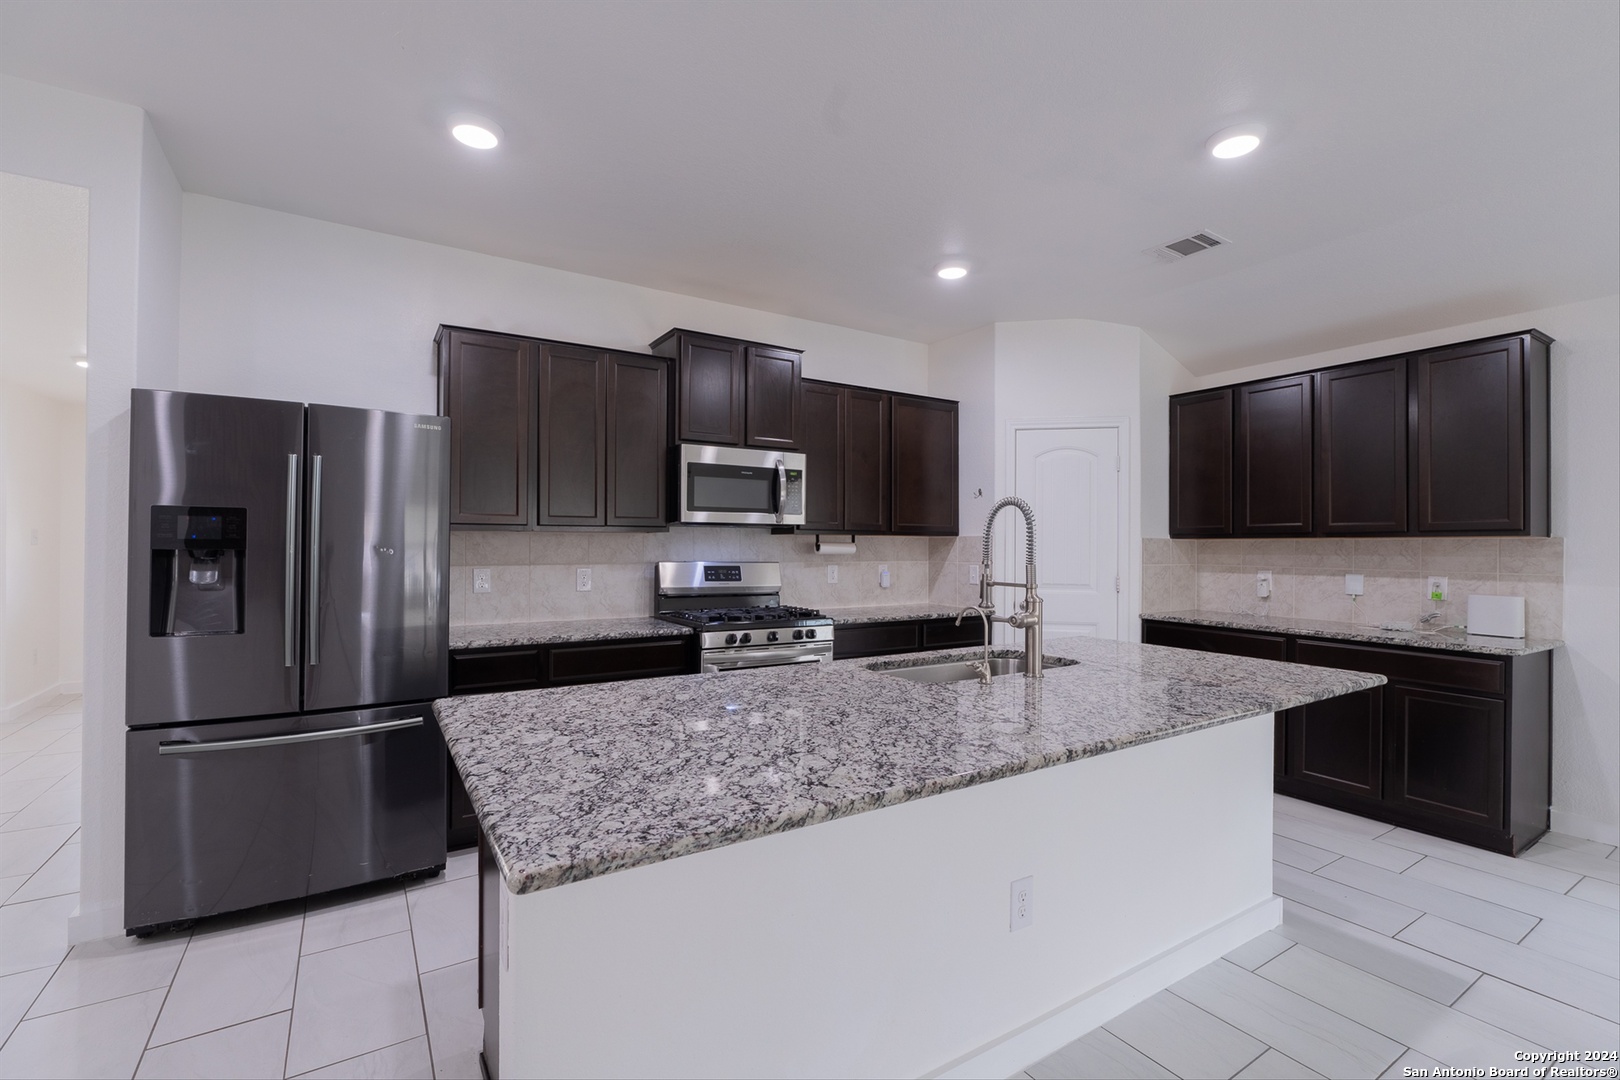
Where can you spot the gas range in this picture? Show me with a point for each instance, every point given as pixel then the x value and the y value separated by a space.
pixel 737 609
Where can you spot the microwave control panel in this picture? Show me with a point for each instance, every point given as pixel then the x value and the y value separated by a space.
pixel 795 492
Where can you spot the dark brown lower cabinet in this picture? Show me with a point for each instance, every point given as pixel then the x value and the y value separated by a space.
pixel 1338 742
pixel 912 635
pixel 1457 745
pixel 1446 753
pixel 533 667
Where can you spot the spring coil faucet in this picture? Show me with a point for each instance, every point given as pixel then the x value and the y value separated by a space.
pixel 1028 615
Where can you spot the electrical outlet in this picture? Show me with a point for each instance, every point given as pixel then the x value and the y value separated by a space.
pixel 1021 904
pixel 1354 584
pixel 1262 584
pixel 973 573
pixel 883 576
pixel 1438 588
pixel 582 579
pixel 481 581
pixel 832 574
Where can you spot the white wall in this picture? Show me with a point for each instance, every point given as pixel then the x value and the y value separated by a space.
pixel 963 368
pixel 1077 369
pixel 279 306
pixel 68 459
pixel 1586 513
pixel 108 148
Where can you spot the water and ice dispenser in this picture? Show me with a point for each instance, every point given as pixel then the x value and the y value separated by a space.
pixel 197 570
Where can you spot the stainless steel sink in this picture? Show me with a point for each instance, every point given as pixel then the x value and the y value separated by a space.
pixel 960 669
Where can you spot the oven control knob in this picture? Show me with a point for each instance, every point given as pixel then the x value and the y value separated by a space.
pixel 731 639
pixel 810 633
pixel 771 636
pixel 746 638
pixel 798 635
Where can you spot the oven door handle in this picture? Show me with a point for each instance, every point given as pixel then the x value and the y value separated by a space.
pixel 781 490
pixel 762 659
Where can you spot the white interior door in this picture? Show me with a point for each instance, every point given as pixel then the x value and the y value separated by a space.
pixel 1070 476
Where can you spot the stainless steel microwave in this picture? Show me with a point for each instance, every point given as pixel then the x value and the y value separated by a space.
pixel 726 485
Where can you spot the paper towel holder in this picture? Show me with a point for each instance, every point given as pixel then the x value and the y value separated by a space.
pixel 838 548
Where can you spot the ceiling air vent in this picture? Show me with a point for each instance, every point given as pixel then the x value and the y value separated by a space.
pixel 1191 245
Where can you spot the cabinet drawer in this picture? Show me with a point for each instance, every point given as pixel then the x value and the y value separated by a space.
pixel 570 664
pixel 483 671
pixel 875 639
pixel 945 634
pixel 1408 666
pixel 1209 639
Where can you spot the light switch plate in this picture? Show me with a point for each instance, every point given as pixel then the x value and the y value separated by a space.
pixel 1354 584
pixel 582 579
pixel 481 581
pixel 973 573
pixel 832 574
pixel 883 577
pixel 1262 584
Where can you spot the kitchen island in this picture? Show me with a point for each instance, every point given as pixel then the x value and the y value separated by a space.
pixel 630 930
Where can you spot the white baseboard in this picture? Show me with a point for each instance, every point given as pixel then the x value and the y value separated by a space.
pixel 44 697
pixel 1587 828
pixel 1017 1050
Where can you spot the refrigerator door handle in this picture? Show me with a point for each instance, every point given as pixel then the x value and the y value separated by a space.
pixel 289 612
pixel 314 560
pixel 183 747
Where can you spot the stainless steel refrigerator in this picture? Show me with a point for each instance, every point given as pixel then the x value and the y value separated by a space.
pixel 288 621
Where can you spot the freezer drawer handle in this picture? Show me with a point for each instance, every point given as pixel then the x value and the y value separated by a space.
pixel 314 560
pixel 289 611
pixel 178 747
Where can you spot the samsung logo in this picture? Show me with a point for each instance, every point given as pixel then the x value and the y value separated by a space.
pixel 428 427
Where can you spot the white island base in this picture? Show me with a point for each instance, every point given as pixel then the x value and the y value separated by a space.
pixel 879 944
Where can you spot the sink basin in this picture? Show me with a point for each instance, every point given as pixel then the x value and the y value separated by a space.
pixel 960 669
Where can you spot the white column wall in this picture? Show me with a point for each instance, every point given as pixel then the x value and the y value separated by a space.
pixel 108 148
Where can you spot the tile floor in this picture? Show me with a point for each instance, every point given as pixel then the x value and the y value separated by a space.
pixel 1397 950
pixel 374 982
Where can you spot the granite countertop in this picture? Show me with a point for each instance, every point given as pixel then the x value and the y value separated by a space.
pixel 552 633
pixel 1322 628
pixel 574 782
pixel 882 613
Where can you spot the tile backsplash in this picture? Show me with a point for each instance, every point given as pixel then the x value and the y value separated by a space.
pixel 1308 577
pixel 532 574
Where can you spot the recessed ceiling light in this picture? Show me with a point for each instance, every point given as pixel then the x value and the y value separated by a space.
pixel 952 270
pixel 1236 141
pixel 81 361
pixel 476 132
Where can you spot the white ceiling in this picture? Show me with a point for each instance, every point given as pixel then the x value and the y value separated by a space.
pixel 1426 164
pixel 44 263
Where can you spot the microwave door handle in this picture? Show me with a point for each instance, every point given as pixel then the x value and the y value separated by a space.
pixel 781 490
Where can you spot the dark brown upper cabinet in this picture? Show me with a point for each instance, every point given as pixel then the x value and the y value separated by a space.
pixel 868 477
pixel 548 433
pixel 1273 446
pixel 923 450
pixel 825 424
pixel 1480 427
pixel 1361 421
pixel 1449 440
pixel 637 434
pixel 771 418
pixel 846 445
pixel 1201 463
pixel 733 393
pixel 486 388
pixel 573 436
